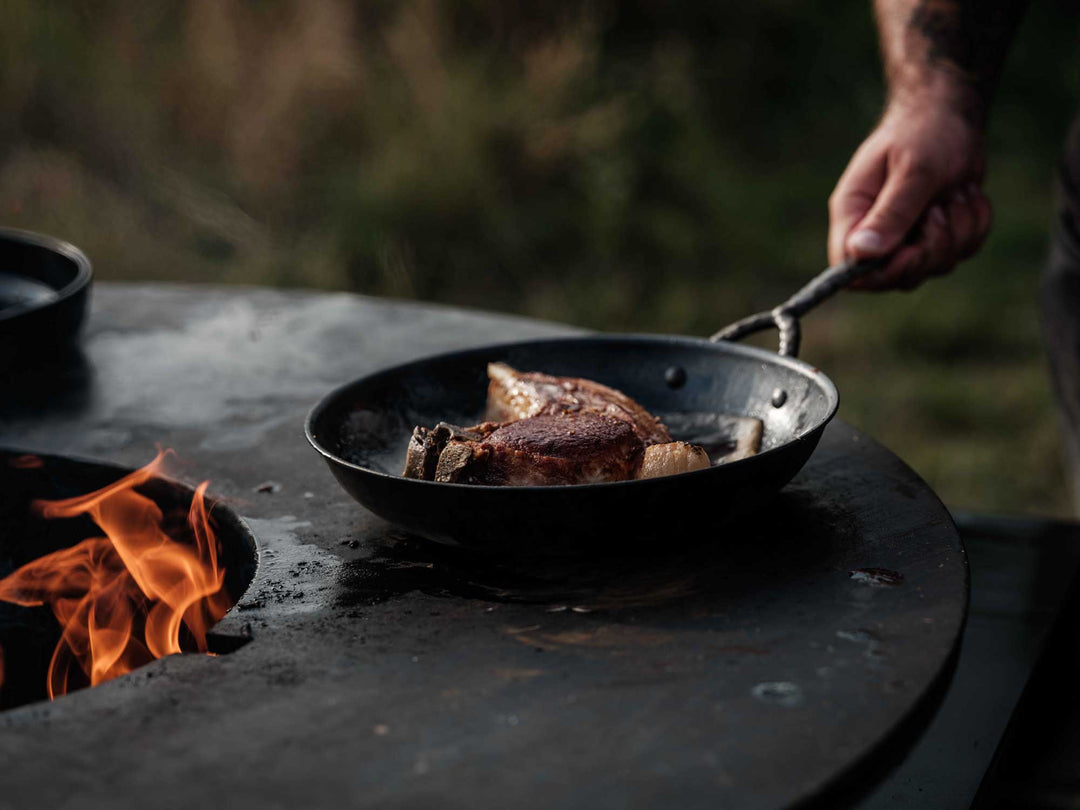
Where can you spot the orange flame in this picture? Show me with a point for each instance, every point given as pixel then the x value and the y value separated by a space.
pixel 122 599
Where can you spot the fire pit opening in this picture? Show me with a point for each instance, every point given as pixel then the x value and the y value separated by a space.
pixel 102 570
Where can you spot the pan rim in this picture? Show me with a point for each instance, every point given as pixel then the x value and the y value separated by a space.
pixel 812 372
pixel 84 271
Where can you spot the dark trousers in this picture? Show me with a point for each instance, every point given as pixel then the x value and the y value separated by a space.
pixel 1060 304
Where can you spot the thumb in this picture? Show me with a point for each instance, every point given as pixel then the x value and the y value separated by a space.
pixel 902 201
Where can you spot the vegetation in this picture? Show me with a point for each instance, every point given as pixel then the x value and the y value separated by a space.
pixel 624 166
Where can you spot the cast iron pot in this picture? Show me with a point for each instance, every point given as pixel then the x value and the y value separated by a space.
pixel 44 287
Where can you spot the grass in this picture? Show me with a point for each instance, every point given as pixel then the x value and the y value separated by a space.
pixel 646 168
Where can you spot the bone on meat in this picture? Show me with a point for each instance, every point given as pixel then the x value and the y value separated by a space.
pixel 672 458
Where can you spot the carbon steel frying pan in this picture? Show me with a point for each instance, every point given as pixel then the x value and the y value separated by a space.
pixel 362 430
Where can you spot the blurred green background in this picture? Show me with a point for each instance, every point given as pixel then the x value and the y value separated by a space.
pixel 649 166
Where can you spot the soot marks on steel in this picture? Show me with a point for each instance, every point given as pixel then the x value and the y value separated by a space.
pixel 759 554
pixel 780 693
pixel 870 642
pixel 295 577
pixel 877 577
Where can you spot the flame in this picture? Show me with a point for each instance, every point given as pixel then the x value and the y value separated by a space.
pixel 122 600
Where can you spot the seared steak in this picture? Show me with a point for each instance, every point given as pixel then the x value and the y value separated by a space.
pixel 546 430
pixel 514 394
pixel 545 450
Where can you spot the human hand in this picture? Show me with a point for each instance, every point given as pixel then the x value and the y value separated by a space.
pixel 912 189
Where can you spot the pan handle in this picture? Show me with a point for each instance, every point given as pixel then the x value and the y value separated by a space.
pixel 786 316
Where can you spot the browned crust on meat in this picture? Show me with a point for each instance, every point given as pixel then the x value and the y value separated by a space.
pixel 546 450
pixel 518 395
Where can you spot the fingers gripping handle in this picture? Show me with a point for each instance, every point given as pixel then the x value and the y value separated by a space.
pixel 786 316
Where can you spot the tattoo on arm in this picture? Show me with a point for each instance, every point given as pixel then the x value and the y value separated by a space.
pixel 969 38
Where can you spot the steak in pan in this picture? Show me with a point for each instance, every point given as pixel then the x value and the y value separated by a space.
pixel 547 431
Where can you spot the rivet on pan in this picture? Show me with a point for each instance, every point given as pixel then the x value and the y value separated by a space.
pixel 675 377
pixel 779 397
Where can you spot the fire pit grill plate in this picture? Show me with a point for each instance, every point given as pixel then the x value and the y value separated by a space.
pixel 385 673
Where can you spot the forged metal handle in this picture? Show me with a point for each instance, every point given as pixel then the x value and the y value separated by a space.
pixel 786 316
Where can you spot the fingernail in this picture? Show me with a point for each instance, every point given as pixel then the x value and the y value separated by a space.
pixel 938 216
pixel 866 241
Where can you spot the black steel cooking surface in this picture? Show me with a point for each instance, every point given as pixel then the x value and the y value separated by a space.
pixel 755 670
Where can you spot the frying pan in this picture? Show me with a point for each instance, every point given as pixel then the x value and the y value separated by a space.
pixel 362 430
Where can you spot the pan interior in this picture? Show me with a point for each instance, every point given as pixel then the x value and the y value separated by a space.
pixel 369 422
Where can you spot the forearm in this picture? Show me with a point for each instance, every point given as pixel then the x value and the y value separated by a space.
pixel 948 50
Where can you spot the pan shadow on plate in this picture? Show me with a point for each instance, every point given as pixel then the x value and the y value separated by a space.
pixel 52 386
pixel 788 542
